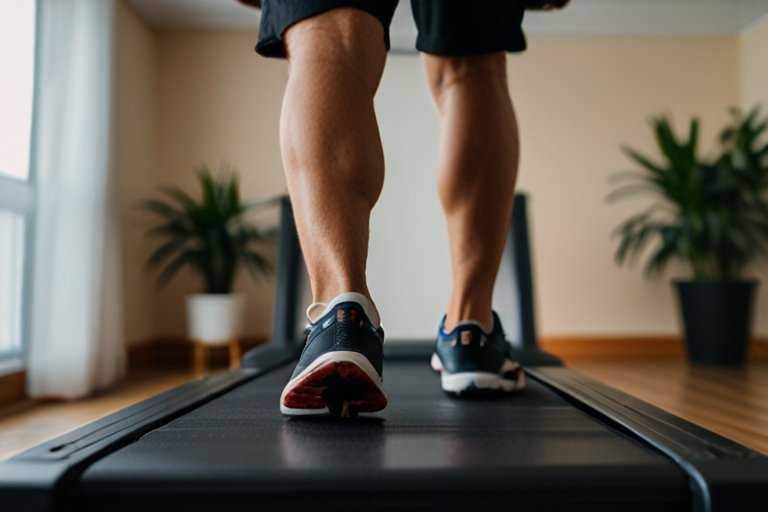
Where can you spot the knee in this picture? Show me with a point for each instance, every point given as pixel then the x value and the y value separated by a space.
pixel 339 39
pixel 471 72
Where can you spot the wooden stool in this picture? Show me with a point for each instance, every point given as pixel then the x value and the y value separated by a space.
pixel 200 359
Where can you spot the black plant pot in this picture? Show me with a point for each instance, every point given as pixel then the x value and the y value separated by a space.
pixel 717 317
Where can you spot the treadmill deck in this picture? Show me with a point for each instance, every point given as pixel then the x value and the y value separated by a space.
pixel 425 450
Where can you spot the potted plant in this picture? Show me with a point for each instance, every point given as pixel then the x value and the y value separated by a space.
pixel 713 215
pixel 211 236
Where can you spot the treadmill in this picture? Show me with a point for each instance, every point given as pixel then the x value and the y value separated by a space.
pixel 566 442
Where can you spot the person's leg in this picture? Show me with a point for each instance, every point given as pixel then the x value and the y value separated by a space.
pixel 477 169
pixel 465 58
pixel 330 143
pixel 334 167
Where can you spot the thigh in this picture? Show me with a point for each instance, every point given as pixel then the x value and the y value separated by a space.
pixel 456 27
pixel 278 15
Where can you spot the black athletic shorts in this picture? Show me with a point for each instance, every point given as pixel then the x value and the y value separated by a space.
pixel 446 27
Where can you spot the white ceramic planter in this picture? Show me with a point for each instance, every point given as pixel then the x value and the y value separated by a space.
pixel 215 319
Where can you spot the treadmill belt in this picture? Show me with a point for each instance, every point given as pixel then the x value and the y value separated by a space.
pixel 532 451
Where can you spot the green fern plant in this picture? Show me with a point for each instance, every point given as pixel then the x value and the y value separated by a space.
pixel 711 214
pixel 209 234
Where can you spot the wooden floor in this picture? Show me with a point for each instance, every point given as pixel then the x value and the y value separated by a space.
pixel 27 426
pixel 733 403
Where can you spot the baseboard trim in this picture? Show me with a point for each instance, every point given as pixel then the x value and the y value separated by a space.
pixel 12 388
pixel 631 347
pixel 177 352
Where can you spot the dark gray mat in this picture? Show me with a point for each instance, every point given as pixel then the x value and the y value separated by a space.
pixel 425 451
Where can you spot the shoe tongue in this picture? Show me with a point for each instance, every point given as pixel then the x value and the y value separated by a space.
pixel 312 311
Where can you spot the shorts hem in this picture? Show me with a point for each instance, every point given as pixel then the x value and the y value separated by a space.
pixel 272 47
pixel 273 44
pixel 468 48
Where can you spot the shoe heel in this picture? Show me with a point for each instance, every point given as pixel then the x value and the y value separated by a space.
pixel 350 390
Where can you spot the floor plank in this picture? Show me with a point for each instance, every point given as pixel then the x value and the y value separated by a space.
pixel 22 429
pixel 731 402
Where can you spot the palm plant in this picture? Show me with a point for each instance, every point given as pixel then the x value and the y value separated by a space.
pixel 210 235
pixel 712 214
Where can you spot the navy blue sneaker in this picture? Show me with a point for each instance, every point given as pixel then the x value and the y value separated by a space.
pixel 340 370
pixel 472 362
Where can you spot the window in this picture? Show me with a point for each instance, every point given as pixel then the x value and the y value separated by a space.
pixel 11 253
pixel 17 55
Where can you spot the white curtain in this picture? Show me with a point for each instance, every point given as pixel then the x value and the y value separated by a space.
pixel 76 333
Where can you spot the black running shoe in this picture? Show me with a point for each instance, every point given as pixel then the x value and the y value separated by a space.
pixel 472 362
pixel 339 371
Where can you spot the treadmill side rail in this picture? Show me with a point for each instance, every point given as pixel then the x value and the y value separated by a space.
pixel 31 480
pixel 724 474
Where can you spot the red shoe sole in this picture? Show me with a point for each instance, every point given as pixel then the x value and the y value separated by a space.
pixel 340 386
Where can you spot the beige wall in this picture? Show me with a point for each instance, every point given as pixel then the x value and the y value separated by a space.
pixel 183 99
pixel 216 102
pixel 134 144
pixel 578 100
pixel 754 66
pixel 754 91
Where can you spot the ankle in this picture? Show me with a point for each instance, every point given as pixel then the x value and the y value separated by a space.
pixel 483 317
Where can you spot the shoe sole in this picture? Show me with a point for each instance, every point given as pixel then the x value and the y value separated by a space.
pixel 480 384
pixel 339 384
